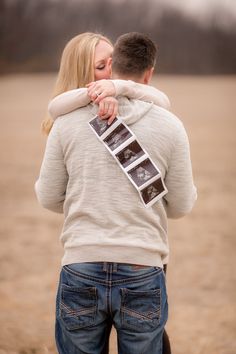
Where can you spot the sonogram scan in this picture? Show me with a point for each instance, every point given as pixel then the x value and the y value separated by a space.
pixel 100 125
pixel 130 154
pixel 117 137
pixel 144 171
pixel 152 190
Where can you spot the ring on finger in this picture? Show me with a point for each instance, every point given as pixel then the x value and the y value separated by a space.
pixel 97 94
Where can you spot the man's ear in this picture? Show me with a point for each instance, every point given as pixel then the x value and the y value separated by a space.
pixel 148 75
pixel 109 62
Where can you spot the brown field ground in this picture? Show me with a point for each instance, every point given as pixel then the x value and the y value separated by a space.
pixel 201 273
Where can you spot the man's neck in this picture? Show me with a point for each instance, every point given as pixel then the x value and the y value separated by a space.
pixel 127 77
pixel 143 78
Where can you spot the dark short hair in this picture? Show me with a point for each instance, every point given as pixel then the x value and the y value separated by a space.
pixel 134 53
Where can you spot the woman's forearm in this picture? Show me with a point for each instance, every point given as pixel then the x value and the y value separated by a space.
pixel 141 92
pixel 68 102
pixel 73 99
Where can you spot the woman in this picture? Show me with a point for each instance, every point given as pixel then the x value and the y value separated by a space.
pixel 85 60
pixel 77 67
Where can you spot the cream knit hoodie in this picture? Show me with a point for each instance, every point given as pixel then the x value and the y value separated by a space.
pixel 105 220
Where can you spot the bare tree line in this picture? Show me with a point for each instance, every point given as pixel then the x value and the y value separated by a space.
pixel 33 34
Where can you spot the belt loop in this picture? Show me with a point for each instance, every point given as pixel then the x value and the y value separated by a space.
pixel 114 267
pixel 105 267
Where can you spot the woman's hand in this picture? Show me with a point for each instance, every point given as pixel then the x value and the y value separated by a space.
pixel 98 90
pixel 108 109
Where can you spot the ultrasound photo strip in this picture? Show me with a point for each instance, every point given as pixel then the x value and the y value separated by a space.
pixel 132 158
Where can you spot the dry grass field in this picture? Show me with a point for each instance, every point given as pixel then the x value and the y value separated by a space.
pixel 201 273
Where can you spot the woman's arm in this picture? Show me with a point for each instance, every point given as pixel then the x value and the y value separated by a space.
pixel 68 102
pixel 99 89
pixel 141 92
pixel 73 99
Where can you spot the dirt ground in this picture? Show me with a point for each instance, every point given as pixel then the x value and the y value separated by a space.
pixel 201 273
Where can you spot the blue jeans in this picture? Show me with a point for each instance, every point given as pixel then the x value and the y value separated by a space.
pixel 91 295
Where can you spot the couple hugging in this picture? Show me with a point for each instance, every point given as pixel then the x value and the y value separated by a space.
pixel 115 247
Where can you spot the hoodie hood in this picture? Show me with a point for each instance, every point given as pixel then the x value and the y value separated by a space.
pixel 132 110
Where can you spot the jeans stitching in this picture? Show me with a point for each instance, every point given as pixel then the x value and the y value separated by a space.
pixel 109 288
pixel 71 312
pixel 136 314
pixel 133 279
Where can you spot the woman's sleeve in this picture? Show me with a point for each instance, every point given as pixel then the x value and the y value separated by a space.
pixel 68 102
pixel 141 92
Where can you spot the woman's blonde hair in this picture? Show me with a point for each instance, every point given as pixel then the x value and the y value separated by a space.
pixel 76 67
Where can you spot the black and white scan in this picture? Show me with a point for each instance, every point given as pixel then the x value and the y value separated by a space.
pixel 144 171
pixel 152 190
pixel 117 137
pixel 130 153
pixel 100 125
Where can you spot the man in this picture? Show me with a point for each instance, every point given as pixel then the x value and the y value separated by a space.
pixel 115 248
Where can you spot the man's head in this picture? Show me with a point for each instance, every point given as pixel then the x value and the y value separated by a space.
pixel 134 57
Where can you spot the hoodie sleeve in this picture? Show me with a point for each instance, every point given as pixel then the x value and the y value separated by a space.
pixel 68 102
pixel 146 93
pixel 182 192
pixel 51 185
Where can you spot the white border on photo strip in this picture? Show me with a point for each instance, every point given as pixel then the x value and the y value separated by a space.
pixel 133 164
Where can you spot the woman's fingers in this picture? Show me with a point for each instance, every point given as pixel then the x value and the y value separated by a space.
pixel 108 109
pixel 98 90
pixel 114 114
pixel 101 109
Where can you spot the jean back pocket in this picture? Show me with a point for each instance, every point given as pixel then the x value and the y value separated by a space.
pixel 140 310
pixel 78 306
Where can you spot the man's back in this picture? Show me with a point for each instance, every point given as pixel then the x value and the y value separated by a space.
pixel 102 208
